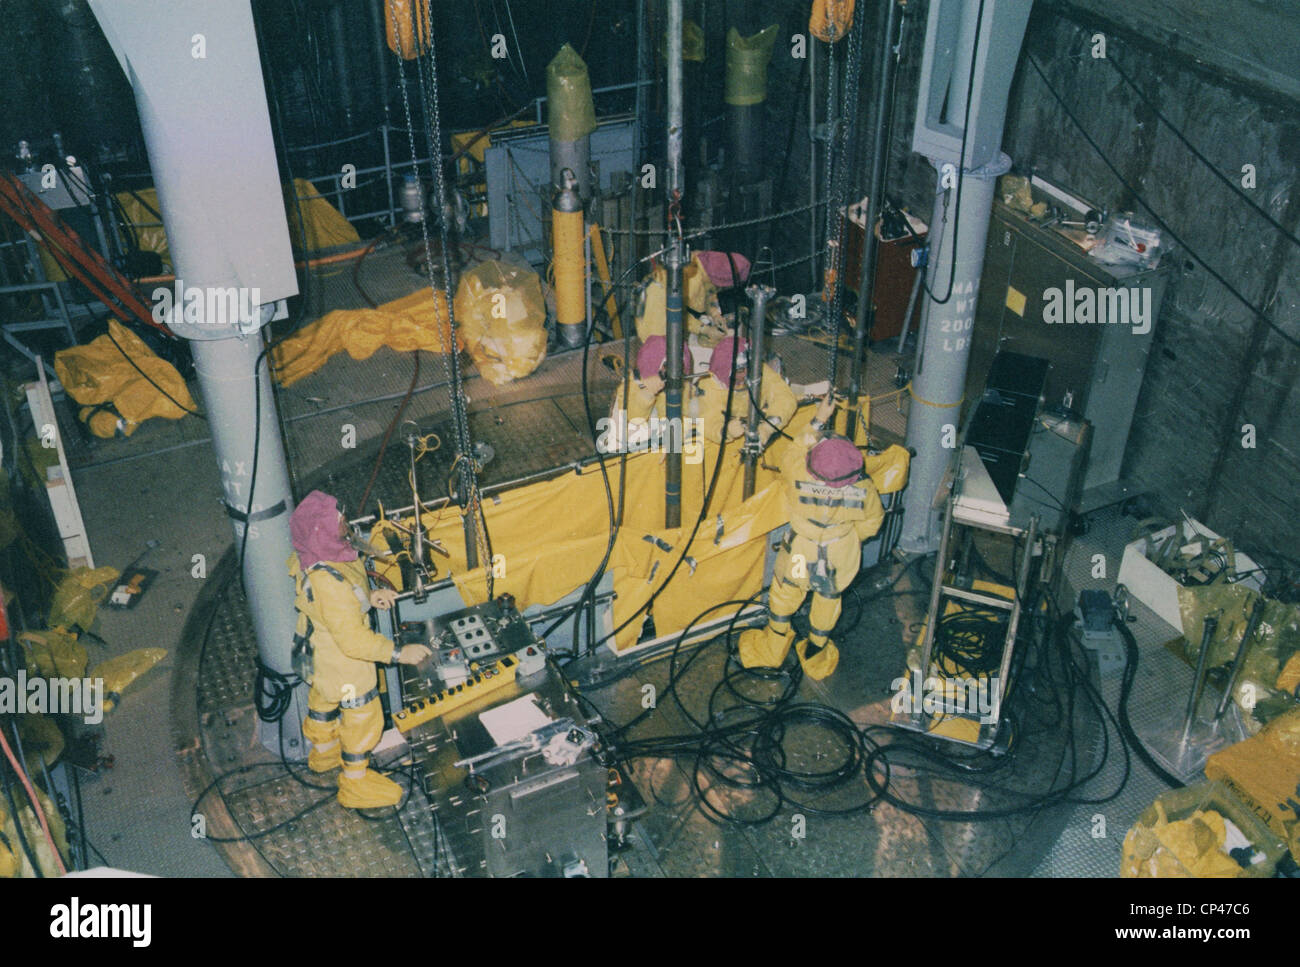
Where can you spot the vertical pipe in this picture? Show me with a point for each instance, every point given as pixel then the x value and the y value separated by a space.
pixel 758 296
pixel 586 278
pixel 1252 623
pixel 812 161
pixel 233 395
pixel 210 147
pixel 673 328
pixel 636 243
pixel 417 526
pixel 871 246
pixel 938 388
pixel 674 98
pixel 1211 625
pixel 342 74
pixel 388 175
pixel 381 63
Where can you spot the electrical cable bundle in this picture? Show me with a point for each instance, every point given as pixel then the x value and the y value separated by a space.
pixel 742 745
pixel 969 641
pixel 1054 687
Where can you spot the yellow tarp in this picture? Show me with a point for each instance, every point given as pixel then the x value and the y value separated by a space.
pixel 143 211
pixel 412 322
pixel 324 226
pixel 549 537
pixel 100 373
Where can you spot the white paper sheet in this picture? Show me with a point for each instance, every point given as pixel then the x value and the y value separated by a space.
pixel 513 720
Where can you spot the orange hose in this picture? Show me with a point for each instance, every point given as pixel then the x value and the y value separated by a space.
pixel 36 805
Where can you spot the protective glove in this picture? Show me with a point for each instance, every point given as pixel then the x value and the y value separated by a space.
pixel 412 654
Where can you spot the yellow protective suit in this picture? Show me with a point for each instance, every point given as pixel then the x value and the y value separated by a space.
pixel 344 719
pixel 699 301
pixel 629 423
pixel 777 401
pixel 821 552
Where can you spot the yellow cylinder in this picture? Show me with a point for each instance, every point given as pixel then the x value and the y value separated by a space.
pixel 406 27
pixel 570 269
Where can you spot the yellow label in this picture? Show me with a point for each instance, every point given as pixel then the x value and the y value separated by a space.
pixel 1016 301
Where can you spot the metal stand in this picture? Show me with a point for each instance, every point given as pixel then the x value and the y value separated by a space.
pixel 959 527
pixel 1183 746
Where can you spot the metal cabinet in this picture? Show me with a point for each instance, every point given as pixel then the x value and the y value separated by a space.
pixel 1031 296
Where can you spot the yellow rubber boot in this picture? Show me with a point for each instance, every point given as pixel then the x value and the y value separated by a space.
pixel 765 647
pixel 817 660
pixel 362 788
pixel 325 751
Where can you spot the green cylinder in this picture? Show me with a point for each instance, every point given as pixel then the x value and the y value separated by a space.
pixel 571 113
pixel 747 60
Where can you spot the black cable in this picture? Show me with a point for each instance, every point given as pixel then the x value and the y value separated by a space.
pixel 272 692
pixel 961 164
pixel 1126 687
pixel 615 520
pixel 912 745
pixel 1255 310
pixel 136 367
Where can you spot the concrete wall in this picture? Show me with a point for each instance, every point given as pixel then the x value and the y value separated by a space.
pixel 1214 367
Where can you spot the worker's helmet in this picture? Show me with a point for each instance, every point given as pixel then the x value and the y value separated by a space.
pixel 720 361
pixel 836 462
pixel 652 355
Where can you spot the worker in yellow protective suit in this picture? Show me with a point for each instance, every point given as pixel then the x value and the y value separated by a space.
pixel 701 312
pixel 833 508
pixel 777 401
pixel 630 421
pixel 335 652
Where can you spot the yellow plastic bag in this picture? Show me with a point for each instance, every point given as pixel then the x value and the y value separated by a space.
pixel 100 374
pixel 747 60
pixel 570 111
pixel 888 469
pixel 120 672
pixel 77 598
pixel 501 314
pixel 42 739
pixel 13 859
pixel 54 654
